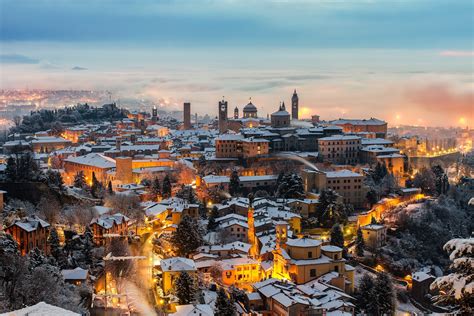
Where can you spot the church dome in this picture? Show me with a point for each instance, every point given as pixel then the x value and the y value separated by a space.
pixel 250 107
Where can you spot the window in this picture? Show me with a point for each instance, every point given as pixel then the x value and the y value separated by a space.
pixel 312 273
pixel 310 254
pixel 336 268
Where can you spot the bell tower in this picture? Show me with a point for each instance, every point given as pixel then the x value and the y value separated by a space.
pixel 222 116
pixel 294 106
pixel 254 251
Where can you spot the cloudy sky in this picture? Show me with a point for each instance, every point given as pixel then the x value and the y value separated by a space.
pixel 403 61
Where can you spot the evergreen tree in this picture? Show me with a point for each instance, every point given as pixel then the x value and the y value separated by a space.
pixel 365 295
pixel 36 258
pixel 96 187
pixel 211 224
pixel 56 249
pixel 326 198
pixel 359 244
pixel 225 306
pixel 234 183
pixel 379 172
pixel 166 190
pixel 372 197
pixel 337 238
pixel 109 188
pixel 54 179
pixel 80 180
pixel 335 213
pixel 11 169
pixel 187 236
pixel 88 245
pixel 187 193
pixel 384 294
pixel 373 221
pixel 202 161
pixel 156 187
pixel 291 186
pixel 185 289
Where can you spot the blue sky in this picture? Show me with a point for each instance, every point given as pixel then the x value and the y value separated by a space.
pixel 346 57
pixel 302 23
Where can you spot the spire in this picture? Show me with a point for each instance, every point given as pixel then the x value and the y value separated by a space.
pixel 283 106
pixel 250 99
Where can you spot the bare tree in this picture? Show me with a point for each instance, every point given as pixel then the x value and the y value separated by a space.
pixel 49 209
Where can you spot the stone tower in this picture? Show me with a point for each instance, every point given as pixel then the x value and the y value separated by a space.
pixel 236 113
pixel 254 251
pixel 294 106
pixel 187 115
pixel 154 114
pixel 222 116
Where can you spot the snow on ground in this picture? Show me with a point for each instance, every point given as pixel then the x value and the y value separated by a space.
pixel 41 309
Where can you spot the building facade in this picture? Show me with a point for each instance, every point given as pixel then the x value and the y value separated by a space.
pixel 340 149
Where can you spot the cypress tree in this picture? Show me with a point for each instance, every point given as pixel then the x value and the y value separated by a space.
pixel 166 190
pixel 234 183
pixel 359 244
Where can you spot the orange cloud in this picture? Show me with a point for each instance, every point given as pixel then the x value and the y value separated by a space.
pixel 441 101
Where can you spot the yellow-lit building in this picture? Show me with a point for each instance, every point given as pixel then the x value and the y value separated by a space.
pixel 348 184
pixel 170 269
pixel 305 259
pixel 374 235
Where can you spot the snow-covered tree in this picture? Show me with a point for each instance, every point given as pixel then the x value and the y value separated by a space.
pixel 225 305
pixel 425 180
pixel 54 179
pixel 56 250
pixel 187 193
pixel 187 236
pixel 216 272
pixel 290 186
pixel 185 288
pixel 49 208
pixel 384 294
pixel 457 288
pixel 359 243
pixel 365 295
pixel 80 180
pixel 376 296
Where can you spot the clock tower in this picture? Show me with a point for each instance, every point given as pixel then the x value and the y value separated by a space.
pixel 294 106
pixel 222 116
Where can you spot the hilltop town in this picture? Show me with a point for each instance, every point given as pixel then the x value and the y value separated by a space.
pixel 108 210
